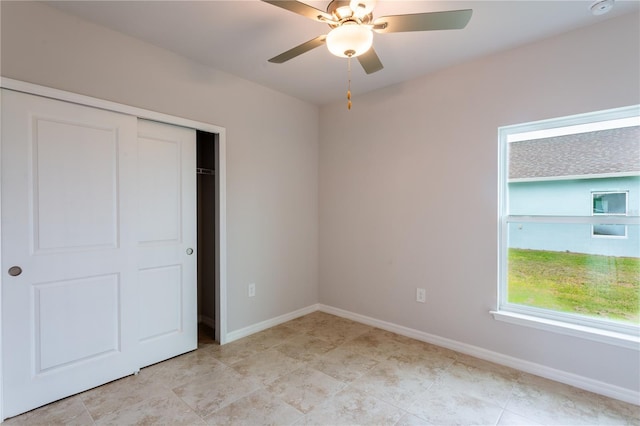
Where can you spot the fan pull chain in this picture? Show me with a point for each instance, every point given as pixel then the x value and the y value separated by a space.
pixel 349 86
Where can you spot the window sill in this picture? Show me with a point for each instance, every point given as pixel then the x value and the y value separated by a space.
pixel 590 333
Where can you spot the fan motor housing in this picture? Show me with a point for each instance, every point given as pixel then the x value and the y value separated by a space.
pixel 341 11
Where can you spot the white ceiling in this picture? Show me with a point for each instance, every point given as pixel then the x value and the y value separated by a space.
pixel 239 37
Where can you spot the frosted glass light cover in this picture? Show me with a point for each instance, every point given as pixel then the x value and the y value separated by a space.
pixel 349 38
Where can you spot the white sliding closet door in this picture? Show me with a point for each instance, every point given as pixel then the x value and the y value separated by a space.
pixel 166 241
pixel 98 216
pixel 68 223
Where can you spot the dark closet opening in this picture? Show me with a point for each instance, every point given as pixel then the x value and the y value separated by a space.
pixel 207 182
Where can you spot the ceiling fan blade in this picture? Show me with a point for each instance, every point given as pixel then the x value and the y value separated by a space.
pixel 430 21
pixel 299 50
pixel 370 61
pixel 302 9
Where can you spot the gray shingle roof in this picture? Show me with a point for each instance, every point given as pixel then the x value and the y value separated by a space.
pixel 614 151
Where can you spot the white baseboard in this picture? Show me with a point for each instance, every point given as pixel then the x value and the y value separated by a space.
pixel 591 385
pixel 247 331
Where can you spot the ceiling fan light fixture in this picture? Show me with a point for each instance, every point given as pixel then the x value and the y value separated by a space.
pixel 343 12
pixel 362 8
pixel 349 40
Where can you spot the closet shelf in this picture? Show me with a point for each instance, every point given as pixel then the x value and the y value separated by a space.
pixel 202 171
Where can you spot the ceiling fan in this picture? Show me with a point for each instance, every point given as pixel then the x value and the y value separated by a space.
pixel 352 25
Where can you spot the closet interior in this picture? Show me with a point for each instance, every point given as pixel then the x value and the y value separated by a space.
pixel 207 195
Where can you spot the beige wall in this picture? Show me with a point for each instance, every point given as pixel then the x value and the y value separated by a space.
pixel 408 191
pixel 272 143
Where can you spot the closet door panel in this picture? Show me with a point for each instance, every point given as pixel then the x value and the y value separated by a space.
pixel 160 315
pixel 166 241
pixel 93 315
pixel 68 249
pixel 159 168
pixel 75 176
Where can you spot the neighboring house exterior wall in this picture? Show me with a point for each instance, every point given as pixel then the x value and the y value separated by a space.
pixel 558 176
pixel 571 198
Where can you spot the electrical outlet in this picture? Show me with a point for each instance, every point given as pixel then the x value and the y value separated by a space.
pixel 421 295
pixel 252 289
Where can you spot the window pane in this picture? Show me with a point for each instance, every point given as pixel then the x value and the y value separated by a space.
pixel 610 203
pixel 610 230
pixel 560 267
pixel 570 215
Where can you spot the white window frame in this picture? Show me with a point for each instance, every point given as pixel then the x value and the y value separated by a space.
pixel 626 212
pixel 620 334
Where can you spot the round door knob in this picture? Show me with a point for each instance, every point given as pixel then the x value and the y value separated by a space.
pixel 189 251
pixel 14 271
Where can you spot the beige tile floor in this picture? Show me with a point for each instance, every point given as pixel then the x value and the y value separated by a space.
pixel 324 370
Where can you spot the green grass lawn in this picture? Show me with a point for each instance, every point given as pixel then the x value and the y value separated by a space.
pixel 593 285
